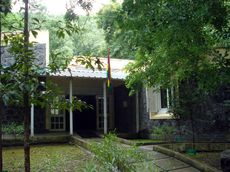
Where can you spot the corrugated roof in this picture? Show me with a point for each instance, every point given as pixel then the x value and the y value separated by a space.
pixel 79 70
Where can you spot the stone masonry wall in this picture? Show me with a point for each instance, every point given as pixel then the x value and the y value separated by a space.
pixel 213 125
pixel 15 114
pixel 39 53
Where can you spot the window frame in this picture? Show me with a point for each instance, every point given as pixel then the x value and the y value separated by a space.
pixel 100 112
pixel 169 96
pixel 55 118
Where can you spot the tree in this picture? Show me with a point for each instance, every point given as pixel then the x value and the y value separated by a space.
pixel 176 46
pixel 174 39
pixel 120 41
pixel 27 63
pixel 90 41
pixel 24 73
pixel 4 9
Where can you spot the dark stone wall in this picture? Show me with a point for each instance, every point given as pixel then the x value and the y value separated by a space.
pixel 15 114
pixel 145 123
pixel 39 52
pixel 12 114
pixel 212 120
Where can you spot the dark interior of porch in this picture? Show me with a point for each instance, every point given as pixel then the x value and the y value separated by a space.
pixel 84 122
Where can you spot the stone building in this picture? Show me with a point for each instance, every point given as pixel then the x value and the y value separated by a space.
pixel 113 110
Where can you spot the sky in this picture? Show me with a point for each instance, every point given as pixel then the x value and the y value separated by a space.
pixel 57 7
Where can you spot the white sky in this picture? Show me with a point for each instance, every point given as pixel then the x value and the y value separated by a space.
pixel 57 7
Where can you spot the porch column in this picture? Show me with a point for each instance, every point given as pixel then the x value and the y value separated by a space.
pixel 105 107
pixel 71 110
pixel 137 112
pixel 32 120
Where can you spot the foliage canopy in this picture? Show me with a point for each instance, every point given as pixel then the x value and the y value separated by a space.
pixel 172 40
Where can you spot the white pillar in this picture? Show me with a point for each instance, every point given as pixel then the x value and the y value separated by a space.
pixel 167 95
pixel 71 110
pixel 32 120
pixel 137 112
pixel 105 107
pixel 147 99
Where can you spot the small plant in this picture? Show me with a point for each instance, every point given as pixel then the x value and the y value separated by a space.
pixel 112 156
pixel 164 132
pixel 90 167
pixel 13 128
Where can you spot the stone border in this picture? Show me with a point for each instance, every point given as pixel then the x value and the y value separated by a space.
pixel 194 163
pixel 80 142
pixel 129 142
pixel 199 146
pixel 42 139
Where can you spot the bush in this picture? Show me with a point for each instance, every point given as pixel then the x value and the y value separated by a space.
pixel 164 132
pixel 112 156
pixel 13 128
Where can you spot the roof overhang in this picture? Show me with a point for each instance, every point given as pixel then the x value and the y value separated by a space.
pixel 80 71
pixel 87 73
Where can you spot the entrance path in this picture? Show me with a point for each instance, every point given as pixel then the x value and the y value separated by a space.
pixel 154 161
pixel 163 162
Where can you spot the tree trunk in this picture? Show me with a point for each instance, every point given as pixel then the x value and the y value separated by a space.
pixel 1 103
pixel 26 92
pixel 26 133
pixel 1 113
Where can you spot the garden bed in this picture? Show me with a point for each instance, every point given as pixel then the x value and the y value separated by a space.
pixel 205 156
pixel 210 158
pixel 200 147
pixel 47 158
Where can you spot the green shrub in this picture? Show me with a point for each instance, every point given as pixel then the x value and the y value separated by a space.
pixel 112 156
pixel 13 128
pixel 164 132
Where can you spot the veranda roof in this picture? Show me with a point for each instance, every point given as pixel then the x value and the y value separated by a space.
pixel 79 70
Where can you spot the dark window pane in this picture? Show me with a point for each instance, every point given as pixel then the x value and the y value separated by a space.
pixel 163 98
pixel 170 94
pixel 101 124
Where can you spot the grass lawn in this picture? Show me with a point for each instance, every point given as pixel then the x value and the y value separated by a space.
pixel 210 158
pixel 48 158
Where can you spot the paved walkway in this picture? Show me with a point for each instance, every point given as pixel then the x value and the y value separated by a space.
pixel 161 162
pixel 153 161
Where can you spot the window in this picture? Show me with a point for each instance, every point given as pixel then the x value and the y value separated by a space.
pixel 100 112
pixel 57 116
pixel 166 97
pixel 164 100
pixel 158 102
pixel 101 105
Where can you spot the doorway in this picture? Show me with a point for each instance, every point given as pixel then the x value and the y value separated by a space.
pixel 86 119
